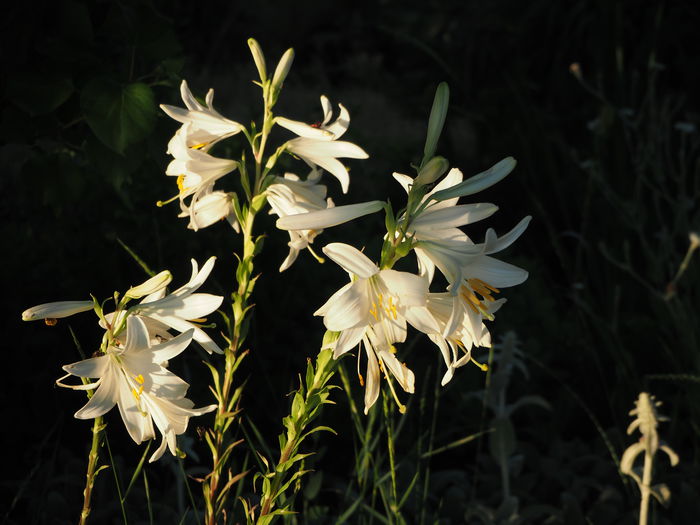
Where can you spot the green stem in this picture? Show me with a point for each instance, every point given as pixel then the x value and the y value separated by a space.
pixel 392 459
pixel 306 407
pixel 227 396
pixel 93 457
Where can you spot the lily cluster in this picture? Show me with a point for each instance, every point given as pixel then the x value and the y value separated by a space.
pixel 130 368
pixel 374 309
pixel 197 170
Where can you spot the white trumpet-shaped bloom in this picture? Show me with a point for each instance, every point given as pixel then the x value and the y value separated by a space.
pixel 208 207
pixel 179 310
pixel 318 145
pixel 373 308
pixel 203 125
pixel 461 328
pixel 132 376
pixel 196 170
pixel 290 196
pixel 441 243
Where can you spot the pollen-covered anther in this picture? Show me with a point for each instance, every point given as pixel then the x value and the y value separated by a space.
pixel 483 366
pixel 472 287
pixel 373 311
pixel 388 307
pixel 482 288
pixel 181 182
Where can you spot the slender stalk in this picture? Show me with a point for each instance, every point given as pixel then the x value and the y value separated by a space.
pixel 92 470
pixel 646 491
pixel 216 492
pixel 227 396
pixel 307 403
pixel 392 460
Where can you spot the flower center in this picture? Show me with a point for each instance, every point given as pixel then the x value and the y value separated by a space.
pixel 469 290
pixel 382 307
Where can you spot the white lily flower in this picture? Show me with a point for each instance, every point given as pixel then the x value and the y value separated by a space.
pixel 206 125
pixel 177 310
pixel 373 309
pixel 132 377
pixel 290 196
pixel 208 207
pixel 318 145
pixel 56 310
pixel 441 243
pixel 459 333
pixel 195 170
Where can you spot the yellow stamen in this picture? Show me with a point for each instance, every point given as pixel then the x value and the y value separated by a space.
pixel 402 408
pixel 362 379
pixel 373 311
pixel 140 380
pixel 198 146
pixel 181 182
pixel 478 283
pixel 483 366
pixel 50 321
pixel 316 256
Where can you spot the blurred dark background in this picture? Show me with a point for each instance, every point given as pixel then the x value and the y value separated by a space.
pixel 608 166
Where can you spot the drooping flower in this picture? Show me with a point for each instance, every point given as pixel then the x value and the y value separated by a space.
pixel 178 310
pixel 291 196
pixel 203 125
pixel 208 207
pixel 440 242
pixel 461 328
pixel 318 145
pixel 132 376
pixel 196 170
pixel 373 308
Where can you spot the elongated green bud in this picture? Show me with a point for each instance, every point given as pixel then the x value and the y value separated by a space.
pixel 152 285
pixel 282 70
pixel 432 171
pixel 56 310
pixel 259 58
pixel 436 121
pixel 479 182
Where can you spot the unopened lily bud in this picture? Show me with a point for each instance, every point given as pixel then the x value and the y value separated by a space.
pixel 432 171
pixel 478 182
pixel 258 57
pixel 282 69
pixel 320 219
pixel 152 285
pixel 437 119
pixel 56 310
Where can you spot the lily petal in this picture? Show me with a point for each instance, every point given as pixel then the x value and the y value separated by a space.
pixel 351 259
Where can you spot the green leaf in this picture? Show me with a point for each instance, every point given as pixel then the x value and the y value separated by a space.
pixel 119 115
pixel 38 93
